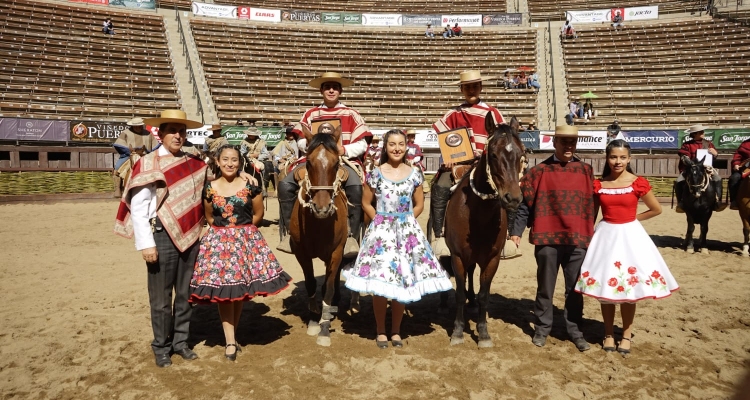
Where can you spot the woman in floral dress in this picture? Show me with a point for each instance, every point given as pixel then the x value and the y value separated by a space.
pixel 622 264
pixel 395 261
pixel 235 263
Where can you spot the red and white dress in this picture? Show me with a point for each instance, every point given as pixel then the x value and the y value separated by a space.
pixel 622 264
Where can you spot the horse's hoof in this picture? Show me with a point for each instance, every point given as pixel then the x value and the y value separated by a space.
pixel 457 340
pixel 483 344
pixel 705 251
pixel 324 341
pixel 313 328
pixel 690 251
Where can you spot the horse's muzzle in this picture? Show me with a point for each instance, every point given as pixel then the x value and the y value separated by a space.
pixel 510 202
pixel 322 213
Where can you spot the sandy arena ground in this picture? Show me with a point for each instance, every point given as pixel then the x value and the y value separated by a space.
pixel 75 325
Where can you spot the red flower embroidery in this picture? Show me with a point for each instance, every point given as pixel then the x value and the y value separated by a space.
pixel 662 281
pixel 585 274
pixel 633 280
pixel 656 275
pixel 612 282
pixel 631 270
pixel 648 282
pixel 617 264
pixel 620 289
pixel 590 281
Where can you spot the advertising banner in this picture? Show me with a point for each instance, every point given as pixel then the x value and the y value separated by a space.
pixel 140 4
pixel 462 20
pixel 426 138
pixel 530 139
pixel 651 139
pixel 42 129
pixel 8 128
pixel 729 139
pixel 234 134
pixel 502 19
pixel 95 131
pixel 381 19
pixel 639 13
pixel 243 12
pixel 594 140
pixel 587 16
pixel 331 18
pixel 684 137
pixel 214 10
pixel 420 20
pixel 266 15
pixel 300 16
pixel 351 19
pixel 101 2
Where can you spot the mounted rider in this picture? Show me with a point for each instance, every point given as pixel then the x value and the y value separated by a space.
pixel 688 152
pixel 351 149
pixel 413 151
pixel 134 138
pixel 285 154
pixel 470 115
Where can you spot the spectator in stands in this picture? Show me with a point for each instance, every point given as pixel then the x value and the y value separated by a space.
pixel 588 109
pixel 430 33
pixel 568 32
pixel 573 112
pixel 741 155
pixel 522 82
pixel 457 30
pixel 352 147
pixel 534 82
pixel 107 27
pixel 532 126
pixel 689 151
pixel 613 130
pixel 508 81
pixel 617 20
pixel 447 32
pixel 471 115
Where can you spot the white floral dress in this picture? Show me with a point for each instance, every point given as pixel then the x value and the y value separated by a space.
pixel 395 260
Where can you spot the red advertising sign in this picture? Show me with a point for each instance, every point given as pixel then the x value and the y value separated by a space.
pixel 101 2
pixel 243 12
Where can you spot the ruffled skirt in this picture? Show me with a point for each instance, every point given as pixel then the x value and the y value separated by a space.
pixel 623 265
pixel 235 264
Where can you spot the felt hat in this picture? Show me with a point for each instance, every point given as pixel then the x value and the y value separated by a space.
pixel 410 131
pixel 695 129
pixel 215 127
pixel 564 131
pixel 136 122
pixel 331 77
pixel 471 76
pixel 252 131
pixel 176 116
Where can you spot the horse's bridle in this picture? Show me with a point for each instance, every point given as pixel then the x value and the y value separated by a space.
pixel 307 186
pixel 700 187
pixel 495 191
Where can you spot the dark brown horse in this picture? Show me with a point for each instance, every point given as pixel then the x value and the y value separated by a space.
pixel 699 200
pixel 318 227
pixel 743 202
pixel 476 220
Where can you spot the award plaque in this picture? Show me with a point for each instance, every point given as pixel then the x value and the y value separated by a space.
pixel 326 126
pixel 455 146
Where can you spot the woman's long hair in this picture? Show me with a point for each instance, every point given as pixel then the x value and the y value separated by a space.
pixel 384 153
pixel 618 143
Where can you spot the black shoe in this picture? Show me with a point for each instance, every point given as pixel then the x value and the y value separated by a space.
pixel 581 344
pixel 383 344
pixel 163 360
pixel 609 349
pixel 539 340
pixel 624 351
pixel 186 354
pixel 396 343
pixel 233 356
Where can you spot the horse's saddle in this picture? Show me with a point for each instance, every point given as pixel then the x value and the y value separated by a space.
pixel 458 171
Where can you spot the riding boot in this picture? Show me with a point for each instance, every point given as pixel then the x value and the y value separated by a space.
pixel 287 194
pixel 439 201
pixel 734 187
pixel 679 188
pixel 354 195
pixel 720 205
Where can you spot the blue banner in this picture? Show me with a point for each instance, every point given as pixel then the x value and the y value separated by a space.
pixel 530 139
pixel 666 139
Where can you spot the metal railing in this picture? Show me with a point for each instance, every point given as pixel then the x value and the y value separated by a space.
pixel 552 72
pixel 189 66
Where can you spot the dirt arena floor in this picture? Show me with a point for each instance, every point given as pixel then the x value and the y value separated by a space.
pixel 75 325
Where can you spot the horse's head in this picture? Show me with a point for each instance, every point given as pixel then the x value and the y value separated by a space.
pixel 504 155
pixel 323 180
pixel 696 177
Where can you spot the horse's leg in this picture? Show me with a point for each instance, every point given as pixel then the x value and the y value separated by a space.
pixel 472 307
pixel 689 234
pixel 746 233
pixel 332 272
pixel 311 286
pixel 485 280
pixel 704 233
pixel 458 326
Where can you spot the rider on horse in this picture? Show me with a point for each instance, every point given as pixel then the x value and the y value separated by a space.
pixel 688 152
pixel 469 115
pixel 135 137
pixel 285 153
pixel 413 152
pixel 352 147
pixel 740 155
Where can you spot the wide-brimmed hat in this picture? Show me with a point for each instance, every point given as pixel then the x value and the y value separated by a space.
pixel 565 131
pixel 215 127
pixel 374 138
pixel 176 116
pixel 471 76
pixel 252 131
pixel 137 121
pixel 331 77
pixel 410 131
pixel 695 129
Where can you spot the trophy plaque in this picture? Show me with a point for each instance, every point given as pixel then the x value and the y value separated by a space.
pixel 455 146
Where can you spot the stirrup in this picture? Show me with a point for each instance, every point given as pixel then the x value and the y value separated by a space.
pixel 285 245
pixel 351 248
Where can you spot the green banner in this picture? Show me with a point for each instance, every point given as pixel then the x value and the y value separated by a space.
pixel 684 137
pixel 723 139
pixel 331 18
pixel 272 135
pixel 353 19
pixel 141 4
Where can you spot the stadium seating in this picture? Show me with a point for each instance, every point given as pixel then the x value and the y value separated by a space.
pixel 55 62
pixel 544 10
pixel 661 74
pixel 401 6
pixel 402 78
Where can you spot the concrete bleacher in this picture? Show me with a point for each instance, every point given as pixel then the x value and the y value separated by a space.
pixel 663 74
pixel 401 6
pixel 260 71
pixel 55 62
pixel 554 10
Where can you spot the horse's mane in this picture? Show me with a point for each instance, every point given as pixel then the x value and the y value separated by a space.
pixel 325 140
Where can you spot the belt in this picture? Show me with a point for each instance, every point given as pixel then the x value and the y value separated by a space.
pixel 156 225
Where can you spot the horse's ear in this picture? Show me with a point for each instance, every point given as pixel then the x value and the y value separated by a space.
pixel 701 160
pixel 337 133
pixel 307 133
pixel 489 124
pixel 514 124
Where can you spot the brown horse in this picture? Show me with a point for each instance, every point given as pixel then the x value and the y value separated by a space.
pixel 476 221
pixel 743 202
pixel 318 227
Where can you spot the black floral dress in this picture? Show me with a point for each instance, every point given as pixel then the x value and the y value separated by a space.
pixel 234 262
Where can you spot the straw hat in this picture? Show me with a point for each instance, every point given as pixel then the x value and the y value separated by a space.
pixel 471 76
pixel 375 138
pixel 411 131
pixel 136 122
pixel 176 116
pixel 331 77
pixel 252 131
pixel 564 131
pixel 695 129
pixel 215 127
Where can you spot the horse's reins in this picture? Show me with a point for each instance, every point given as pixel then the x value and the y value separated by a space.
pixel 307 186
pixel 495 191
pixel 701 186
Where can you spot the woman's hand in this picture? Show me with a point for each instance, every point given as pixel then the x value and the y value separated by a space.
pixel 150 255
pixel 249 178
